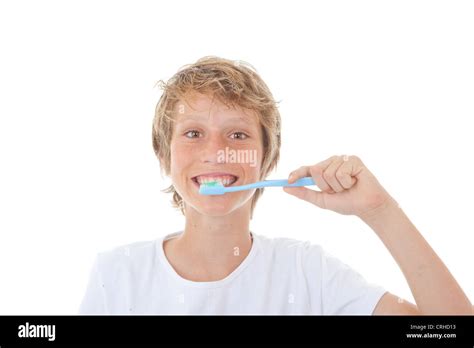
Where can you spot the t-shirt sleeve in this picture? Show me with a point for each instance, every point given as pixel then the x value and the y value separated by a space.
pixel 93 301
pixel 344 290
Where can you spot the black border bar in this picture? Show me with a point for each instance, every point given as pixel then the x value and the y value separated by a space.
pixel 134 330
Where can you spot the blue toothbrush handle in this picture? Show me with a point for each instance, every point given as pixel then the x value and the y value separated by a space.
pixel 307 181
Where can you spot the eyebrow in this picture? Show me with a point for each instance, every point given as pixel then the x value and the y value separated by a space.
pixel 193 117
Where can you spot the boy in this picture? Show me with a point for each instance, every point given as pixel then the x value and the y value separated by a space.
pixel 216 265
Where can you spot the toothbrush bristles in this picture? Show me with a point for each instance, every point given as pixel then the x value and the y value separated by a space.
pixel 211 188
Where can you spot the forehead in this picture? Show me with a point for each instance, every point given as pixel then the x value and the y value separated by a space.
pixel 202 107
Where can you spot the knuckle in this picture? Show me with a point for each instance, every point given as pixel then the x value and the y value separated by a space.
pixel 315 170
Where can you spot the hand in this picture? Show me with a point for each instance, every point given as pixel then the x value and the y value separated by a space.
pixel 347 187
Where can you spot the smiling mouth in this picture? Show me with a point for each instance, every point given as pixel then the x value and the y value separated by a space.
pixel 225 180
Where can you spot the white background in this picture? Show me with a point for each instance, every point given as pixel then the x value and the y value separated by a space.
pixel 389 81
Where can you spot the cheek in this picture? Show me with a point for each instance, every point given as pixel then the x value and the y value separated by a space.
pixel 253 169
pixel 179 153
pixel 182 157
pixel 258 167
pixel 178 159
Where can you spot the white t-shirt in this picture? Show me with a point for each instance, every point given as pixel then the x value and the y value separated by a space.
pixel 278 276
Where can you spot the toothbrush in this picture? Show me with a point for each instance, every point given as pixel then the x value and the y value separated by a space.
pixel 216 188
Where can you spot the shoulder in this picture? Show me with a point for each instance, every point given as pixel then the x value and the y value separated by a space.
pixel 291 251
pixel 307 256
pixel 127 256
pixel 288 246
pixel 117 274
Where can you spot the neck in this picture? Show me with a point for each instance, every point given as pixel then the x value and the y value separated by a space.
pixel 217 238
pixel 213 246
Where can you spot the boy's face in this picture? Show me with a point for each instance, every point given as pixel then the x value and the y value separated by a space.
pixel 213 142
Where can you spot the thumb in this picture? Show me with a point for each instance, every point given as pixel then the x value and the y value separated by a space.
pixel 311 196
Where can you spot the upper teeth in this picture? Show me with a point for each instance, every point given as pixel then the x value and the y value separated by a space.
pixel 225 180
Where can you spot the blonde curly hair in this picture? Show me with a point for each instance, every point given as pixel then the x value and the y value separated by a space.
pixel 233 83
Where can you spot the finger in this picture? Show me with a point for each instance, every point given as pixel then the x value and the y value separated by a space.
pixel 330 174
pixel 345 174
pixel 312 196
pixel 305 171
pixel 317 174
pixel 301 172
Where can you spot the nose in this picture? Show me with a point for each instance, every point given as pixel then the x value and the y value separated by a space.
pixel 213 145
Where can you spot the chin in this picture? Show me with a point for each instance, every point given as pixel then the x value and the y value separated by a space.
pixel 219 205
pixel 216 206
pixel 215 209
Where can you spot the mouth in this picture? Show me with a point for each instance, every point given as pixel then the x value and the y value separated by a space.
pixel 225 179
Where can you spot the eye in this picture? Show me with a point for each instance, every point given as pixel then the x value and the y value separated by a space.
pixel 192 134
pixel 242 135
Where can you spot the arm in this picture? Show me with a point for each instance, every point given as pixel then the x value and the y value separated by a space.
pixel 349 188
pixel 391 304
pixel 434 288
